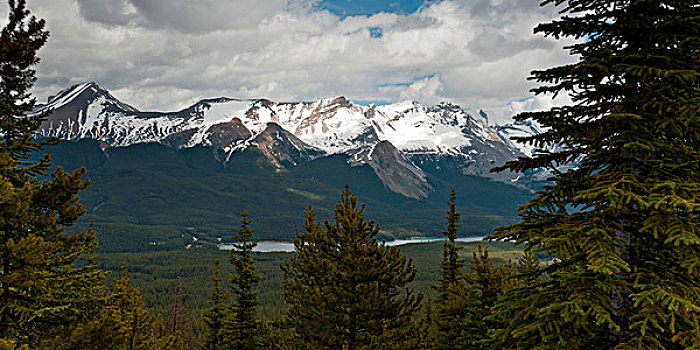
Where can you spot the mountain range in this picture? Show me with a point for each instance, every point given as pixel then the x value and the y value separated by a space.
pixel 160 175
pixel 399 141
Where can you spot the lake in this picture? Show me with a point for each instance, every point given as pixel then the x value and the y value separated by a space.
pixel 288 247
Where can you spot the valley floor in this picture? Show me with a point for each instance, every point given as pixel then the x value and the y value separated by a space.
pixel 157 273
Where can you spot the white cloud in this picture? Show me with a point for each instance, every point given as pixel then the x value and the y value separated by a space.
pixel 427 90
pixel 166 54
pixel 535 104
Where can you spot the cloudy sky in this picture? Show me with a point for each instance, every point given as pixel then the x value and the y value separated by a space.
pixel 167 54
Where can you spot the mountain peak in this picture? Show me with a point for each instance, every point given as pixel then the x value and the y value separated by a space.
pixel 282 148
pixel 216 100
pixel 339 101
pixel 82 94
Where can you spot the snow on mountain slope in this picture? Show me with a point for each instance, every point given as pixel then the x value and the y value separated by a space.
pixel 88 89
pixel 88 111
pixel 337 126
pixel 429 137
pixel 520 129
pixel 411 127
pixel 333 125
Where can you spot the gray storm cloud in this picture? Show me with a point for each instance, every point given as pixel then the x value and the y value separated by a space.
pixel 186 16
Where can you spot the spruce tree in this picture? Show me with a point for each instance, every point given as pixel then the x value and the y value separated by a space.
pixel 486 283
pixel 177 322
pixel 452 266
pixel 303 286
pixel 244 328
pixel 529 271
pixel 345 289
pixel 429 336
pixel 216 316
pixel 126 310
pixel 123 323
pixel 451 301
pixel 47 278
pixel 624 221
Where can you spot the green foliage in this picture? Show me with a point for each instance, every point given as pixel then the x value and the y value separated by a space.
pixel 12 345
pixel 452 266
pixel 215 317
pixel 451 302
pixel 187 192
pixel 177 324
pixel 427 326
pixel 529 271
pixel 623 224
pixel 122 323
pixel 20 40
pixel 47 279
pixel 465 300
pixel 156 274
pixel 486 283
pixel 244 330
pixel 345 288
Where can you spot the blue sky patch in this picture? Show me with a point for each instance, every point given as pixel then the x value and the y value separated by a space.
pixel 346 8
pixel 376 32
pixel 370 102
pixel 407 83
pixel 521 99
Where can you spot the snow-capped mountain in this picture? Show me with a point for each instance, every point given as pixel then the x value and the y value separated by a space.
pixel 524 128
pixel 399 141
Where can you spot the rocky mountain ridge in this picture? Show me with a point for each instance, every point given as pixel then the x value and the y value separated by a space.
pixel 399 141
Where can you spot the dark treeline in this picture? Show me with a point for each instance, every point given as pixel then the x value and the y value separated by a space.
pixel 622 226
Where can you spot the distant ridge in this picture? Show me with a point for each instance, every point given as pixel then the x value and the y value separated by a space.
pixel 401 141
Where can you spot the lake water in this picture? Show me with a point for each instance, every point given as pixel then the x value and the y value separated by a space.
pixel 288 247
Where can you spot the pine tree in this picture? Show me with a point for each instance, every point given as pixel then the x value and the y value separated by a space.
pixel 451 301
pixel 452 266
pixel 216 316
pixel 47 278
pixel 529 271
pixel 624 222
pixel 122 324
pixel 346 289
pixel 20 41
pixel 303 286
pixel 429 336
pixel 127 311
pixel 244 328
pixel 177 323
pixel 486 283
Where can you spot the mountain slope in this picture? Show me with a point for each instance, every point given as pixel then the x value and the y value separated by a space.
pixel 282 148
pixel 410 135
pixel 160 203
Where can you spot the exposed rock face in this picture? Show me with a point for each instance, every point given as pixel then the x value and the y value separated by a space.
pixel 179 139
pixel 227 134
pixel 396 172
pixel 282 148
pixel 401 142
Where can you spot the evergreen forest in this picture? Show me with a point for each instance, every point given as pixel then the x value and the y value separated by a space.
pixel 605 256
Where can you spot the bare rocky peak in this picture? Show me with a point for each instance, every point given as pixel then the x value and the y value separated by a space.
pixel 227 134
pixel 396 171
pixel 282 148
